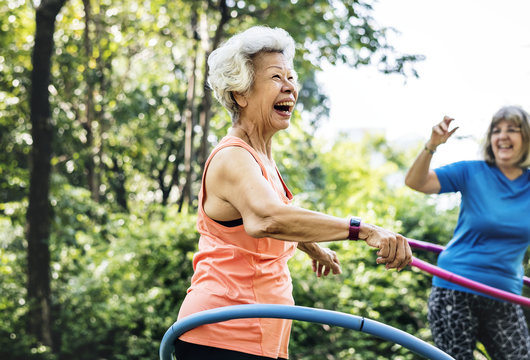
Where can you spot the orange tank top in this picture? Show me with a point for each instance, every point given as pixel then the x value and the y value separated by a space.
pixel 233 268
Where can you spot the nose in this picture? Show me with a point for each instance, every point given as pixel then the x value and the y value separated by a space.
pixel 288 86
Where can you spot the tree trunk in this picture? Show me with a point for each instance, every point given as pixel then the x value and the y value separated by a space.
pixel 101 65
pixel 206 106
pixel 39 211
pixel 92 176
pixel 185 193
pixel 166 168
pixel 119 184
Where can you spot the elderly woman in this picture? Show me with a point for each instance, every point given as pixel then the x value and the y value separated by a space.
pixel 248 228
pixel 489 242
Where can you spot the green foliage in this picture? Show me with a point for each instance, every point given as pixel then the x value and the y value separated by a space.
pixel 122 280
pixel 14 344
pixel 363 289
pixel 119 278
pixel 120 77
pixel 366 185
pixel 16 41
pixel 118 283
pixel 121 263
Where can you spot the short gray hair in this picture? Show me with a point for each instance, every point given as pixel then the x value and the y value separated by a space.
pixel 231 66
pixel 518 117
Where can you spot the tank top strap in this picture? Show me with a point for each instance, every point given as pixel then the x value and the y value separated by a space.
pixel 229 141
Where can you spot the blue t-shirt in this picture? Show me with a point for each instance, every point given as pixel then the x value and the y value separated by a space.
pixel 493 229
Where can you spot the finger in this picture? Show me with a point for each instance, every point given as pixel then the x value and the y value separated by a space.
pixel 319 272
pixel 337 269
pixel 408 256
pixel 447 119
pixel 335 264
pixel 391 258
pixel 401 253
pixel 384 248
pixel 327 269
pixel 437 129
pixel 452 131
pixel 314 265
pixel 335 258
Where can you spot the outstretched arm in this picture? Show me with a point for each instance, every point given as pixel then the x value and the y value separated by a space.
pixel 235 186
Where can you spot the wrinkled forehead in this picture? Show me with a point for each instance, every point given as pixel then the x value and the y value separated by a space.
pixel 271 59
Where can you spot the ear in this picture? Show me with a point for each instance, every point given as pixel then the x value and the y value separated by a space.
pixel 240 99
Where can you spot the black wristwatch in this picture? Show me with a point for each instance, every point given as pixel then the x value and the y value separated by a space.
pixel 355 227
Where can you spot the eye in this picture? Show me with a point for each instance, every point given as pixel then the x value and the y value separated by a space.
pixel 276 76
pixel 514 129
pixel 496 131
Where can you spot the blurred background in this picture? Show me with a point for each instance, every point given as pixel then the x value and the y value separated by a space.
pixel 475 62
pixel 106 120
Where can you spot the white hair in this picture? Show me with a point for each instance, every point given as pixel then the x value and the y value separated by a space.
pixel 231 67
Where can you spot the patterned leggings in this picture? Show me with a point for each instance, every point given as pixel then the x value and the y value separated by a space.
pixel 458 319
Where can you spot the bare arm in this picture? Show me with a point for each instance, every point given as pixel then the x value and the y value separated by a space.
pixel 420 177
pixel 235 184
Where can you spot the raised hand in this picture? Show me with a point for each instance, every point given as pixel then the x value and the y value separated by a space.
pixel 440 133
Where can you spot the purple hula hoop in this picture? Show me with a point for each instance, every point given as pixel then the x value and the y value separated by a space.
pixel 460 280
pixel 457 279
pixel 423 245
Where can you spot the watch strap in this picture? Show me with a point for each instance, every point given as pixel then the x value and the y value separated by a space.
pixel 355 227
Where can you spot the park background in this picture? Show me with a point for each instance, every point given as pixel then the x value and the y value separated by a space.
pixel 105 122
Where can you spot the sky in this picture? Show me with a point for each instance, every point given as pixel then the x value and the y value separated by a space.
pixel 477 59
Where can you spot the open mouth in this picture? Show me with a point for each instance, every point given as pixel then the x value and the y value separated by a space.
pixel 285 107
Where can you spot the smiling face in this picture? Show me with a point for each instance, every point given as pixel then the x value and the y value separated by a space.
pixel 273 94
pixel 506 143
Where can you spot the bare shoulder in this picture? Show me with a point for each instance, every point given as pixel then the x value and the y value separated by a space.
pixel 229 167
pixel 232 161
pixel 230 179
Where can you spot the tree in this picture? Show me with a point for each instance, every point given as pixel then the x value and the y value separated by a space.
pixel 39 211
pixel 88 123
pixel 365 185
pixel 16 41
pixel 132 97
pixel 339 32
pixel 189 112
pixel 132 120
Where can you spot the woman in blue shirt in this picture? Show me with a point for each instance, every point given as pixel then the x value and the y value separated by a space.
pixel 489 241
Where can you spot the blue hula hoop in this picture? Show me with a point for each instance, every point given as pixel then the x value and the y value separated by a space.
pixel 302 313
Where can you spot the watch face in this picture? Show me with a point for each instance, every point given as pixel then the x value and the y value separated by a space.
pixel 355 221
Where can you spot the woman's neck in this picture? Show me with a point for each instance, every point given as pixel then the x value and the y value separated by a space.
pixel 255 138
pixel 512 172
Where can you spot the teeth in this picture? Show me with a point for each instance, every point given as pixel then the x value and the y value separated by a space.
pixel 285 103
